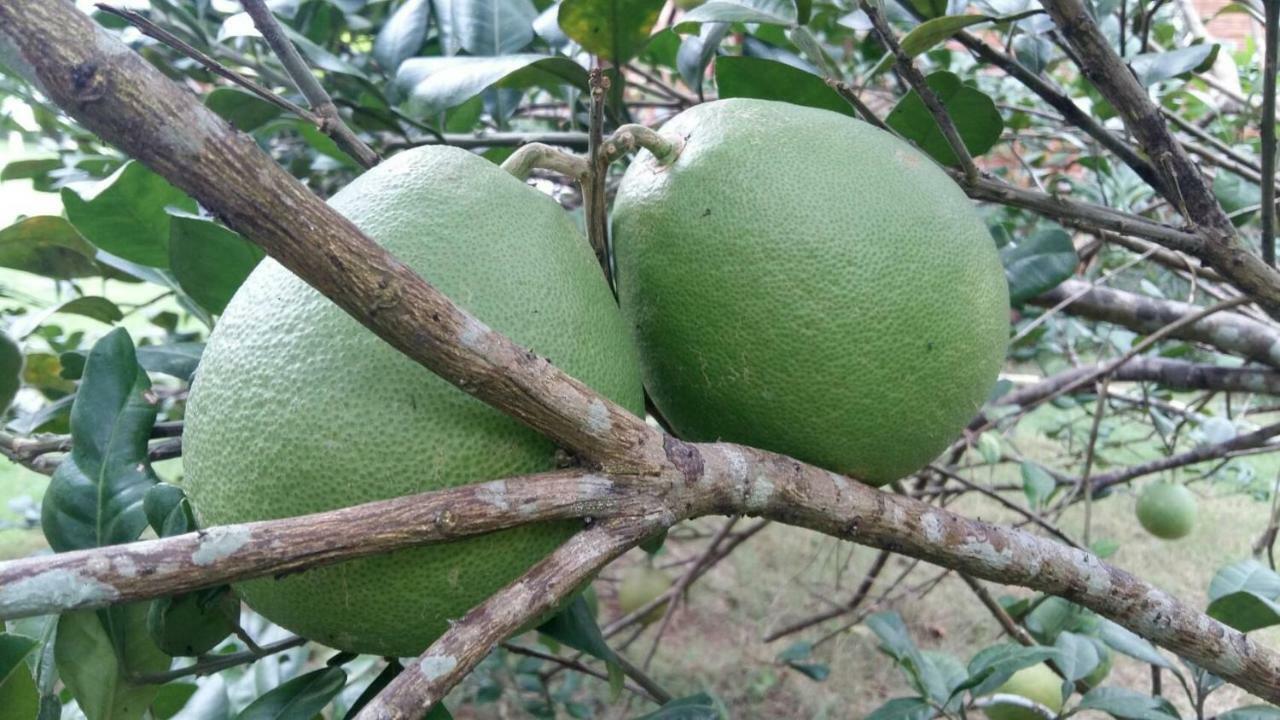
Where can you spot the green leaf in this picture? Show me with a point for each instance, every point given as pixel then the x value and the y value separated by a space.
pixel 615 30
pixel 10 371
pixel 1245 611
pixel 29 169
pixel 1037 484
pixel 403 34
pixel 576 627
pixel 1152 68
pixel 1246 575
pixel 246 111
pixel 1125 641
pixel 1236 194
pixel 97 672
pixel 973 113
pixel 125 214
pixel 493 27
pixel 210 261
pixel 90 306
pixel 696 52
pixel 906 708
pixel 767 12
pixel 796 657
pixel 933 31
pixel 701 706
pixel 18 695
pixel 1251 712
pixel 1079 654
pixel 992 666
pixel 171 699
pixel 194 623
pixel 438 84
pixel 167 511
pixel 47 245
pixel 95 496
pixel 771 80
pixel 1127 704
pixel 301 697
pixel 1038 264
pixel 178 360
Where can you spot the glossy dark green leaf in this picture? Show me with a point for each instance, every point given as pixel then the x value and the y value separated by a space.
pixel 403 34
pixel 438 84
pixel 47 245
pixel 613 29
pixel 18 695
pixel 767 12
pixel 96 671
pixel 1152 68
pixel 301 697
pixel 167 511
pixel 696 51
pixel 905 708
pixel 125 214
pixel 1126 704
pixel 1038 263
pixel 770 80
pixel 95 496
pixel 702 706
pixel 194 623
pixel 974 114
pixel 210 261
pixel 10 371
pixel 246 111
pixel 29 169
pixel 575 626
pixel 493 27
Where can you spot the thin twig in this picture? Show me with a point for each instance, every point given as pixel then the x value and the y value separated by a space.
pixel 859 595
pixel 218 663
pixel 847 92
pixel 331 122
pixel 913 77
pixel 571 664
pixel 1086 478
pixel 150 29
pixel 1272 27
pixel 593 189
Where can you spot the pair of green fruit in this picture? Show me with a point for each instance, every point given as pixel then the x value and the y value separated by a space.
pixel 794 280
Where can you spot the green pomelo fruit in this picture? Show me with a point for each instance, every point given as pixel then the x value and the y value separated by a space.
pixel 1036 683
pixel 1167 510
pixel 802 282
pixel 639 587
pixel 297 408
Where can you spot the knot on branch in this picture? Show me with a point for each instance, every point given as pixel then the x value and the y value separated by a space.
pixel 86 82
pixel 685 457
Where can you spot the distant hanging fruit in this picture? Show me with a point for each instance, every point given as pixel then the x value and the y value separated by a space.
pixel 641 586
pixel 1167 510
pixel 803 282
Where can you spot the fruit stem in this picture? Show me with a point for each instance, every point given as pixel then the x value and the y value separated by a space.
pixel 628 138
pixel 539 155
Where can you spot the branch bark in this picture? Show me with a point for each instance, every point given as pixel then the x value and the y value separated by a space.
pixel 1229 332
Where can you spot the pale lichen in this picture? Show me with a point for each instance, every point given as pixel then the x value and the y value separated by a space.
pixel 435 667
pixel 220 542
pixel 54 590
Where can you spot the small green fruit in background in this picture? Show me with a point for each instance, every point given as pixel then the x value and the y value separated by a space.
pixel 803 282
pixel 639 587
pixel 298 409
pixel 1167 510
pixel 1036 683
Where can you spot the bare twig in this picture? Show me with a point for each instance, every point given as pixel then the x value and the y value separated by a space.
pixel 218 663
pixel 571 664
pixel 907 68
pixel 859 595
pixel 331 122
pixel 537 155
pixel 851 96
pixel 1272 29
pixel 596 208
pixel 150 29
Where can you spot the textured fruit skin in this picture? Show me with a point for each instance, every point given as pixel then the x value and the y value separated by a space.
pixel 639 587
pixel 1037 683
pixel 297 408
pixel 802 282
pixel 1167 510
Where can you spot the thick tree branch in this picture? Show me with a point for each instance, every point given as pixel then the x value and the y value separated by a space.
pixel 178 564
pixel 1232 333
